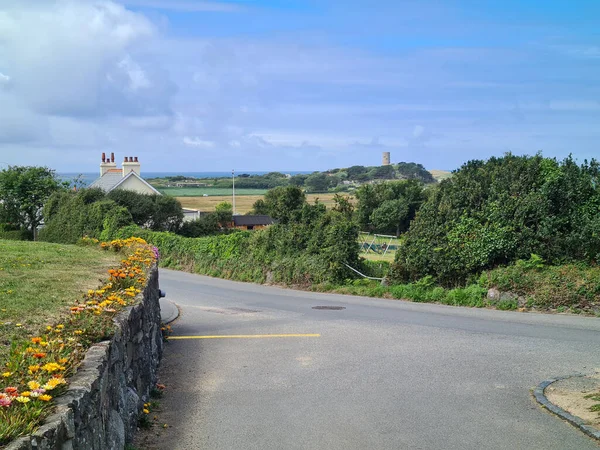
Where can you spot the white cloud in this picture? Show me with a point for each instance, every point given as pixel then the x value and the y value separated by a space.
pixel 197 142
pixel 80 58
pixel 4 79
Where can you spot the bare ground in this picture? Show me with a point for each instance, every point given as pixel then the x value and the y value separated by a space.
pixel 569 394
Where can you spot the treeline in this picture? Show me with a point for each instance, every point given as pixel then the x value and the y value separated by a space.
pixel 335 180
pixel 70 215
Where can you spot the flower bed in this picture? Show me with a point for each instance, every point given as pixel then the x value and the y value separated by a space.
pixel 37 370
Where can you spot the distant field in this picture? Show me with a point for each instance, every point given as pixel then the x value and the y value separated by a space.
pixel 243 203
pixel 440 175
pixel 210 191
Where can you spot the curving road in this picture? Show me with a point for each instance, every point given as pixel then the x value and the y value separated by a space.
pixel 383 374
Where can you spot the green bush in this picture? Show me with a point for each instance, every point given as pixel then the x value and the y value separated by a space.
pixel 495 212
pixel 71 215
pixel 295 253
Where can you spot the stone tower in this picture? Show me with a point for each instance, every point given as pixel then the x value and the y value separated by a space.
pixel 385 160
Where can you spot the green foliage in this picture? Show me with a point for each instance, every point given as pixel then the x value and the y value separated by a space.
pixel 495 212
pixel 547 287
pixel 343 205
pixel 23 192
pixel 312 249
pixel 317 182
pixel 285 203
pixel 224 213
pixel 157 212
pixel 205 225
pixel 388 207
pixel 71 215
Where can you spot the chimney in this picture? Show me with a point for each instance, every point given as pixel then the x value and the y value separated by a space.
pixel 131 165
pixel 107 164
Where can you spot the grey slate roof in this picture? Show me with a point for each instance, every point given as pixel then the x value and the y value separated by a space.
pixel 108 181
pixel 252 220
pixel 112 179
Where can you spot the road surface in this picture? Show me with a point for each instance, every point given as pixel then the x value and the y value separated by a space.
pixel 381 374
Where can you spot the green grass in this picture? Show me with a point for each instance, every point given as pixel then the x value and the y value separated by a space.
pixel 210 191
pixel 38 281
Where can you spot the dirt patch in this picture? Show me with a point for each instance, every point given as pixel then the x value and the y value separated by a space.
pixel 570 395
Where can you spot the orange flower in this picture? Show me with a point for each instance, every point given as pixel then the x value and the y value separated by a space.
pixel 11 390
pixel 39 355
pixel 36 340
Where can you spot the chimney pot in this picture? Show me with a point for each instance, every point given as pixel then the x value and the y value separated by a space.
pixel 103 157
pixel 136 159
pixel 112 157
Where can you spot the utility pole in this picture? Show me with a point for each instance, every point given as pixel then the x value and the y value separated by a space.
pixel 233 179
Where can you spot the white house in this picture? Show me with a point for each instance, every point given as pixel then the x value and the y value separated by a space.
pixel 128 177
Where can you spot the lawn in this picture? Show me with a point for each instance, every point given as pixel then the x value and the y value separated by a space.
pixel 243 203
pixel 39 281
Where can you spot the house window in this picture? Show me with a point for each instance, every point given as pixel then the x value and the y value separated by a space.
pixel 250 227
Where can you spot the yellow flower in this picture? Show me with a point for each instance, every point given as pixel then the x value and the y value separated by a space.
pixel 7 374
pixel 22 399
pixel 48 328
pixel 52 367
pixel 34 369
pixel 19 325
pixel 78 332
pixel 63 360
pixel 45 397
pixel 33 385
pixel 146 411
pixel 60 327
pixel 25 393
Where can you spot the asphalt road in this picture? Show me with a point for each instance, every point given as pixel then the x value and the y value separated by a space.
pixel 383 374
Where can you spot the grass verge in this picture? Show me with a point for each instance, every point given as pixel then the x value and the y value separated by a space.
pixel 36 363
pixel 39 280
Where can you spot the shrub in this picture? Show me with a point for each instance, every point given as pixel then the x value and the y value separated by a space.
pixel 495 212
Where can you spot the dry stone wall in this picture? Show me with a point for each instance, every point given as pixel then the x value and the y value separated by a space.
pixel 100 410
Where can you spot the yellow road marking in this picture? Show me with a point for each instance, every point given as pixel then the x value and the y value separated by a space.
pixel 245 336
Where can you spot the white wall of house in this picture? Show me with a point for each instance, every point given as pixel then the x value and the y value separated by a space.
pixel 135 184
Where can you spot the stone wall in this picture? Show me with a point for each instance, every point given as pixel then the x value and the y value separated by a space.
pixel 101 407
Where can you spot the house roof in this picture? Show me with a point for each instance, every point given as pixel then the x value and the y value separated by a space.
pixel 133 174
pixel 108 181
pixel 252 220
pixel 113 178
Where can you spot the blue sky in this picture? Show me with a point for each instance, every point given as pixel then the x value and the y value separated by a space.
pixel 192 85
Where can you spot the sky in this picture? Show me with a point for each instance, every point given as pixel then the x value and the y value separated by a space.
pixel 192 85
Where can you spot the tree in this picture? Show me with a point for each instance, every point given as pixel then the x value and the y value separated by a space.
pixel 343 205
pixel 354 171
pixel 285 203
pixel 390 215
pixel 168 214
pixel 157 212
pixel 224 213
pixel 23 191
pixel 372 196
pixel 260 207
pixel 317 182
